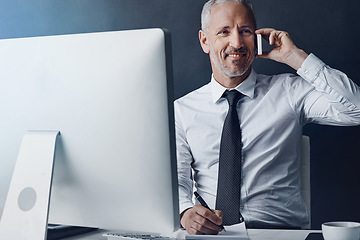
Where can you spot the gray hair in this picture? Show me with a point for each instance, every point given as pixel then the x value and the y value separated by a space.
pixel 205 14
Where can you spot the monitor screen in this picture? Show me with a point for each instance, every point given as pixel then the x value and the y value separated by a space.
pixel 110 96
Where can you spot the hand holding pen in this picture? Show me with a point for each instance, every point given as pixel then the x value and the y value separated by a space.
pixel 201 220
pixel 204 204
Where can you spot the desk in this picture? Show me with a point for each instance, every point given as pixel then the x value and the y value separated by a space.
pixel 266 234
pixel 254 234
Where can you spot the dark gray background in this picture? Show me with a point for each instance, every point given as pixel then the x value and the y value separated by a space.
pixel 328 28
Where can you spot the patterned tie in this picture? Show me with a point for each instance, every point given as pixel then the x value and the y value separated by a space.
pixel 229 180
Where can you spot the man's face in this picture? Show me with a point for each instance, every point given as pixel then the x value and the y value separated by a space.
pixel 229 40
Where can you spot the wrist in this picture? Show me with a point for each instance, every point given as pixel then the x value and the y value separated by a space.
pixel 296 58
pixel 181 218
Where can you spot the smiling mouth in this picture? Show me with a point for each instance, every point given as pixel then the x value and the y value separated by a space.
pixel 236 55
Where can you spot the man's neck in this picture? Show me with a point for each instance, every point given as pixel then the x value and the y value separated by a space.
pixel 231 82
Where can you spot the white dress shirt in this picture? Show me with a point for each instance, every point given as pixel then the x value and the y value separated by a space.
pixel 272 113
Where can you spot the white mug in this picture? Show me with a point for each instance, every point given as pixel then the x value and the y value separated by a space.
pixel 341 230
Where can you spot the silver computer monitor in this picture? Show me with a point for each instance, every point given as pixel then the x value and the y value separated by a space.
pixel 109 95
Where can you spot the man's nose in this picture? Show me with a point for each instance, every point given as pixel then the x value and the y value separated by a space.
pixel 236 40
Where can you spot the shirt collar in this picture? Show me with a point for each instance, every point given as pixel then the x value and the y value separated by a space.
pixel 247 87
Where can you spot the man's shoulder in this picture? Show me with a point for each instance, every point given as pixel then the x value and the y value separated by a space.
pixel 195 96
pixel 282 80
pixel 275 77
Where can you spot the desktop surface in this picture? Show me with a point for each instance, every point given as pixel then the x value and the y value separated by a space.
pixel 254 234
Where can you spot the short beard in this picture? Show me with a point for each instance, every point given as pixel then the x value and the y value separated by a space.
pixel 232 74
pixel 228 72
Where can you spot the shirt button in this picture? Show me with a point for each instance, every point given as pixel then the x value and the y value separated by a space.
pixel 306 72
pixel 241 206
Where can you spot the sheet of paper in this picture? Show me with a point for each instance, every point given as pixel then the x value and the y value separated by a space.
pixel 237 231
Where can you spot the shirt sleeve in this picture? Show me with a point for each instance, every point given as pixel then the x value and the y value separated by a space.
pixel 335 99
pixel 184 160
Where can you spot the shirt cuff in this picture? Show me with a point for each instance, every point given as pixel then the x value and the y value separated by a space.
pixel 310 68
pixel 185 205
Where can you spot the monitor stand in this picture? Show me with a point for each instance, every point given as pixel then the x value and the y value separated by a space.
pixel 25 214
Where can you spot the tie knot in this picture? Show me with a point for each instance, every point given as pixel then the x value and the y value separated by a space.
pixel 232 96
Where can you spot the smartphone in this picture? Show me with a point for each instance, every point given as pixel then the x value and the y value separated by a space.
pixel 314 236
pixel 259 44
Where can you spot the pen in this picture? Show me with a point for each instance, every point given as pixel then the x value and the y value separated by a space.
pixel 204 204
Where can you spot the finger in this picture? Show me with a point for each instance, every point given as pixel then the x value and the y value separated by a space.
pixel 264 55
pixel 208 214
pixel 195 231
pixel 270 34
pixel 207 219
pixel 264 31
pixel 195 220
pixel 197 224
pixel 205 227
pixel 219 213
pixel 266 37
pixel 274 38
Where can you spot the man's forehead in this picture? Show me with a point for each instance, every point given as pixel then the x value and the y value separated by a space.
pixel 225 15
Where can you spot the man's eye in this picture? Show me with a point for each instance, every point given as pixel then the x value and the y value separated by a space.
pixel 245 32
pixel 223 32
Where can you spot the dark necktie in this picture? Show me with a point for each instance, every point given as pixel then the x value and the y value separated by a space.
pixel 229 179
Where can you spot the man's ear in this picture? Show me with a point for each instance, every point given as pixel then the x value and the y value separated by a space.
pixel 204 41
